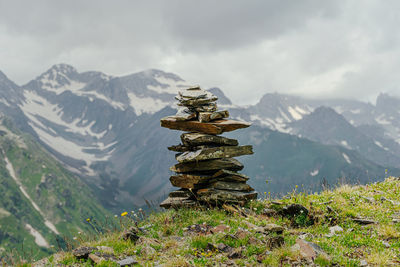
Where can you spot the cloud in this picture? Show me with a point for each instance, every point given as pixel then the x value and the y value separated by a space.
pixel 314 48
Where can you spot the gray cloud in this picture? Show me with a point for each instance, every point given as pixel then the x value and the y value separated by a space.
pixel 314 48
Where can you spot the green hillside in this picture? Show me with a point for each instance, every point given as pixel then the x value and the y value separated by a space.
pixel 43 204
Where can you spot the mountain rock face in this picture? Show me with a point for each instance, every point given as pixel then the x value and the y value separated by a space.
pixel 282 161
pixel 371 130
pixel 326 126
pixel 106 130
pixel 92 121
pixel 41 202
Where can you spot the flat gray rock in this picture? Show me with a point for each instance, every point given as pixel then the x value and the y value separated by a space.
pixel 210 116
pixel 129 261
pixel 180 193
pixel 83 252
pixel 182 148
pixel 177 202
pixel 184 114
pixel 197 139
pixel 196 105
pixel 224 196
pixel 208 165
pixel 214 153
pixel 179 148
pixel 214 127
pixel 193 93
pixel 210 107
pixel 189 180
pixel 231 186
pixel 229 176
pixel 273 228
pixel 363 221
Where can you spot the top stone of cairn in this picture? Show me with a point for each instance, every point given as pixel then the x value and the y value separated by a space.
pixel 198 113
pixel 194 93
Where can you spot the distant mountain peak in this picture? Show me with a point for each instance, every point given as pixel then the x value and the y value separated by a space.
pixel 326 114
pixel 5 82
pixel 159 73
pixel 386 102
pixel 2 76
pixel 275 98
pixel 326 110
pixel 63 68
pixel 222 99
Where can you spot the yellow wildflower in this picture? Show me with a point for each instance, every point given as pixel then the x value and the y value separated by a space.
pixel 124 214
pixel 88 219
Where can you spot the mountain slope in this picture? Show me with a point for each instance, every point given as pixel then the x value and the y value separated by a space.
pixel 278 111
pixel 324 125
pixel 96 124
pixel 286 160
pixel 41 202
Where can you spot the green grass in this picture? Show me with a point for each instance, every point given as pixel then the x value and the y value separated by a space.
pixel 173 246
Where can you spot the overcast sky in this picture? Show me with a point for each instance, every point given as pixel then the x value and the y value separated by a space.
pixel 347 49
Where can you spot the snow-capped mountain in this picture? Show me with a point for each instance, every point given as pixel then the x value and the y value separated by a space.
pixel 80 115
pixel 372 130
pixel 87 120
pixel 106 129
pixel 326 126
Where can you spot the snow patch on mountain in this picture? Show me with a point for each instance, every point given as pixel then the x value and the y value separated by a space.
pixel 347 158
pixel 5 102
pixel 339 109
pixel 294 113
pixel 43 115
pixel 277 124
pixel 71 149
pixel 53 86
pixel 39 239
pixel 172 85
pixel 94 94
pixel 285 117
pixel 380 145
pixel 355 111
pixel 345 144
pixel 382 120
pixel 146 104
pixel 50 81
pixel 302 111
pixel 37 108
pixel 265 122
pixel 314 172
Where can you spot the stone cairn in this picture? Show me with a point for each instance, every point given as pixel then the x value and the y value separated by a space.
pixel 206 172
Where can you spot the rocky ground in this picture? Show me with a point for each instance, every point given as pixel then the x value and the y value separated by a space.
pixel 348 226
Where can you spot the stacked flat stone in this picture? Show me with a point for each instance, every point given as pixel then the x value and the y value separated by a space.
pixel 206 171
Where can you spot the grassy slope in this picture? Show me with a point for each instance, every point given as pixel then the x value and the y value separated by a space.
pixel 172 246
pixel 64 200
